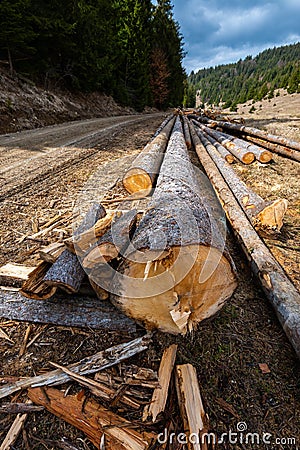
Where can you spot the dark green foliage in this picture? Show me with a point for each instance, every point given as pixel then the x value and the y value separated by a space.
pixel 251 78
pixel 95 45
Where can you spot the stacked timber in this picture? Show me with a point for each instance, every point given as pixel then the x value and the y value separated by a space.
pixel 266 215
pixel 175 276
pixel 141 176
pixel 281 292
pixel 276 144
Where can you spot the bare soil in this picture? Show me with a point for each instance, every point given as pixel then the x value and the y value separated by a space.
pixel 226 350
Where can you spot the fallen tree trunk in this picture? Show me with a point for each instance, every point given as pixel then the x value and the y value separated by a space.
pixel 266 215
pixel 278 288
pixel 241 153
pixel 145 168
pixel 276 148
pixel 178 274
pixel 259 133
pixel 93 419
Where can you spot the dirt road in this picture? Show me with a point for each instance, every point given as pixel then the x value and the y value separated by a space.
pixel 31 156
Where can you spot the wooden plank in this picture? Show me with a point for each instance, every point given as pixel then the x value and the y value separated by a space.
pixel 191 407
pixel 73 311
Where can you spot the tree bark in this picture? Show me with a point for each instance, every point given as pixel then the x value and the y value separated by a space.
pixel 145 168
pixel 265 215
pixel 177 275
pixel 187 134
pixel 281 292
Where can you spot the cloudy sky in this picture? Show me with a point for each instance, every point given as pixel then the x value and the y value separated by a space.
pixel 222 31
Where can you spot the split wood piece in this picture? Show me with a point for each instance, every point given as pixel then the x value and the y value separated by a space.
pixel 93 419
pixel 51 252
pixel 162 125
pixel 160 394
pixel 113 241
pixel 281 292
pixel 98 389
pixel 276 148
pixel 14 275
pixel 82 243
pixel 220 148
pixel 241 153
pixel 260 134
pixel 35 287
pixel 90 364
pixel 194 418
pixel 14 432
pixel 145 168
pixel 66 273
pixel 266 215
pixel 187 134
pixel 68 311
pixel 177 272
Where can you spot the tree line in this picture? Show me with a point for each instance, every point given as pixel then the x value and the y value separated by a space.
pixel 248 79
pixel 130 49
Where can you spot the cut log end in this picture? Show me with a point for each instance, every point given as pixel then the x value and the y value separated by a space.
pixel 248 158
pixel 230 159
pixel 137 180
pixel 271 217
pixel 265 156
pixel 185 296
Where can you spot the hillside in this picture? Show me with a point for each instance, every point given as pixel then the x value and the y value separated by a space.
pixel 251 78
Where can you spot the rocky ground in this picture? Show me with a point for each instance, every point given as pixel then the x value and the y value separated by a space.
pixel 227 351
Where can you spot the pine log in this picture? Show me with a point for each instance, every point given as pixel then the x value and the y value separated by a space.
pixel 220 148
pixel 187 134
pixel 143 173
pixel 260 134
pixel 162 125
pixel 35 287
pixel 14 274
pixel 265 215
pixel 81 311
pixel 93 419
pixel 194 418
pixel 66 273
pixel 276 148
pixel 160 394
pixel 241 153
pixel 281 292
pixel 91 364
pixel 51 252
pixel 175 275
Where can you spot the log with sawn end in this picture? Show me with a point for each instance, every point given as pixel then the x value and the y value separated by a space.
pixel 176 273
pixel 240 152
pixel 281 292
pixel 265 215
pixel 220 148
pixel 145 168
pixel 275 148
pixel 93 419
